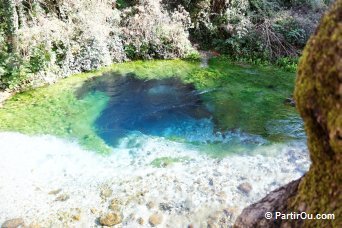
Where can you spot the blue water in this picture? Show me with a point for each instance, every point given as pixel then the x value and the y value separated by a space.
pixel 166 108
pixel 169 108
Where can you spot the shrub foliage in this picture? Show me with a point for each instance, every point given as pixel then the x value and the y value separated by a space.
pixel 43 40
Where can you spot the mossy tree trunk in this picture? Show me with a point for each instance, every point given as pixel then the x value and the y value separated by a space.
pixel 319 100
pixel 12 24
pixel 318 95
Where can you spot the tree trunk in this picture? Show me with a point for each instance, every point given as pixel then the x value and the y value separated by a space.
pixel 12 24
pixel 318 96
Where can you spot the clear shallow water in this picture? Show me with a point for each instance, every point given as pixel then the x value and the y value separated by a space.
pixel 194 189
pixel 157 132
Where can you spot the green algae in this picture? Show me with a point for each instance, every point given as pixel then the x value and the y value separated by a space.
pixel 56 110
pixel 246 97
pixel 241 97
pixel 163 162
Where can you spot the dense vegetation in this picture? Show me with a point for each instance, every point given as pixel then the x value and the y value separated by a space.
pixel 41 41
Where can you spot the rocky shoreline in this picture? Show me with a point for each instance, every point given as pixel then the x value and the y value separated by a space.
pixel 4 95
pixel 82 189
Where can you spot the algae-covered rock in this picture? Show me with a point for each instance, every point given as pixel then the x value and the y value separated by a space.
pixel 318 96
pixel 110 219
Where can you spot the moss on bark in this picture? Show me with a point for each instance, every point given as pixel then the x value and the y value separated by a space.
pixel 318 96
pixel 319 99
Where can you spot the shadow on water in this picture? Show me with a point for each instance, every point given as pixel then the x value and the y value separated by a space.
pixel 166 107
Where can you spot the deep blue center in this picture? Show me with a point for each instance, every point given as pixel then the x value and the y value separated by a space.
pixel 166 107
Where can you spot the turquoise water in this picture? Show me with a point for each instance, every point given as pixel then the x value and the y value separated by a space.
pixel 178 111
pixel 220 109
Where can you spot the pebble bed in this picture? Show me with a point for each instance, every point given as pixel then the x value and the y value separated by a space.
pixel 52 182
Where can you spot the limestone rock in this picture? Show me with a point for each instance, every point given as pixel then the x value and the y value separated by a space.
pixel 76 217
pixel 155 219
pixel 245 187
pixel 114 205
pixel 254 215
pixel 63 197
pixel 140 221
pixel 110 219
pixel 34 225
pixel 55 192
pixel 13 223
pixel 106 193
pixel 93 210
pixel 165 207
pixel 150 205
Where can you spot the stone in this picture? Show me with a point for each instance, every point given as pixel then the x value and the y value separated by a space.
pixel 76 217
pixel 110 219
pixel 212 224
pixel 93 210
pixel 150 205
pixel 230 212
pixel 34 225
pixel 290 101
pixel 211 182
pixel 254 215
pixel 140 221
pixel 165 207
pixel 106 193
pixel 114 205
pixel 62 197
pixel 222 195
pixel 155 219
pixel 55 192
pixel 188 204
pixel 245 187
pixel 13 223
pixel 4 95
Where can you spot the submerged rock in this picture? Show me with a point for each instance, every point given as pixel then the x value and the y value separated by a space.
pixel 13 223
pixel 62 197
pixel 155 219
pixel 55 192
pixel 140 221
pixel 245 187
pixel 290 101
pixel 110 219
pixel 34 225
pixel 106 193
pixel 165 207
pixel 150 205
pixel 114 205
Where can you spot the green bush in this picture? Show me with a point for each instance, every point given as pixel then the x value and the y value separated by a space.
pixel 291 30
pixel 13 71
pixel 287 63
pixel 39 59
pixel 194 56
